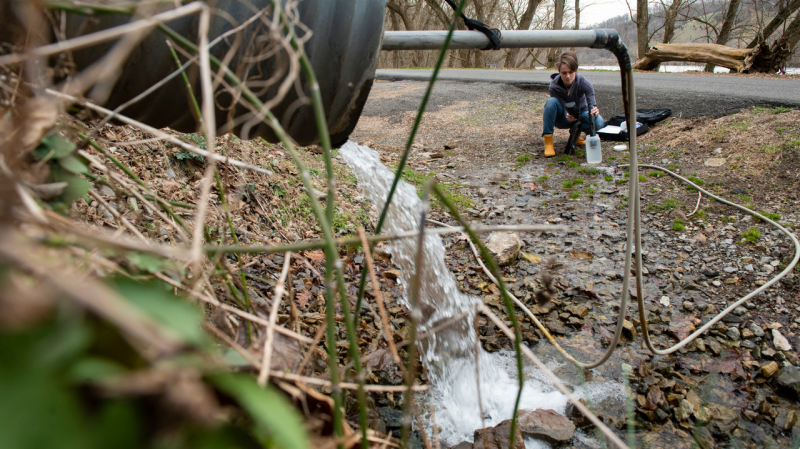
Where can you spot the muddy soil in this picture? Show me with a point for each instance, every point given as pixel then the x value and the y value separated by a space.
pixel 737 385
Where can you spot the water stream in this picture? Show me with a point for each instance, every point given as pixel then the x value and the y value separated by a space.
pixel 448 354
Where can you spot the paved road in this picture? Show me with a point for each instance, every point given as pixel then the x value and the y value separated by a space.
pixel 686 95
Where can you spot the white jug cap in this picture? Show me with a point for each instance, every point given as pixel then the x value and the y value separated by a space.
pixel 620 147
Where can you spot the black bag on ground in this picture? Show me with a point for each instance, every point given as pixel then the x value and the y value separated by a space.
pixel 648 116
pixel 622 136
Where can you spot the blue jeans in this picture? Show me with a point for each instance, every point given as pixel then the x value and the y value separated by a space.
pixel 556 117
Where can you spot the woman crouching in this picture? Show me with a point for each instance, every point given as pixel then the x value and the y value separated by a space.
pixel 567 87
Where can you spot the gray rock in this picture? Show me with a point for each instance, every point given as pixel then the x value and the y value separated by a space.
pixel 170 173
pixel 106 191
pixel 757 330
pixel 733 333
pixel 545 424
pixel 788 378
pixel 393 418
pixel 722 419
pixel 504 246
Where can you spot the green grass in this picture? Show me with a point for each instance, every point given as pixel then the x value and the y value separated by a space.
pixel 772 216
pixel 562 158
pixel 575 195
pixel 696 180
pixel 769 149
pixel 525 158
pixel 567 184
pixel 656 174
pixel 550 164
pixel 417 179
pixel 608 178
pixel 543 178
pixel 577 181
pixel 699 215
pixel 642 178
pixel 587 170
pixel 752 235
pixel 573 164
pixel 589 191
pixel 672 167
pixel 678 225
pixel 669 204
pixel 621 181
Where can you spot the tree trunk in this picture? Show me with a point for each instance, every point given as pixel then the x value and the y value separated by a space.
pixel 642 22
pixel 558 21
pixel 524 24
pixel 670 15
pixel 736 59
pixel 783 14
pixel 727 26
pixel 771 59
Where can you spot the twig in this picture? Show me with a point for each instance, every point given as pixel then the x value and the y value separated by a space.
pixel 317 338
pixel 263 376
pixel 478 372
pixel 376 291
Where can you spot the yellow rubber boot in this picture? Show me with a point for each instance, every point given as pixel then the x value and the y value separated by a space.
pixel 580 140
pixel 548 146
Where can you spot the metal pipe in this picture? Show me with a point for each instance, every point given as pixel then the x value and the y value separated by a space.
pixel 462 40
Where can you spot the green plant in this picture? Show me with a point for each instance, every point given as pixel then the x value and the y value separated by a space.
pixel 752 235
pixel 577 181
pixel 589 170
pixel 65 166
pixel 771 215
pixel 769 149
pixel 678 225
pixel 696 180
pixel 621 181
pixel 608 178
pixel 780 109
pixel 669 203
pixel 672 167
pixel 524 158
pixel 567 184
pixel 589 191
pixel 543 178
pixel 699 215
pixel 642 178
pixel 562 158
pixel 656 174
pixel 550 164
pixel 572 164
pixel 612 158
pixel 575 195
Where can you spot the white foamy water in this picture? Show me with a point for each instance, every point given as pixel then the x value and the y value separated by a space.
pixel 449 353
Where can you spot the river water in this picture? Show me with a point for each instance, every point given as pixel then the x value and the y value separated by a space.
pixel 448 354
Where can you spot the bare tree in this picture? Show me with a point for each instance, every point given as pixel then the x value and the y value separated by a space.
pixel 524 23
pixel 642 23
pixel 558 22
pixel 784 12
pixel 727 26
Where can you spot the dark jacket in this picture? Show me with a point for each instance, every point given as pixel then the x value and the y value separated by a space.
pixel 580 90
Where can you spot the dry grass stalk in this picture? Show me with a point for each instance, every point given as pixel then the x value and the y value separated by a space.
pixel 280 289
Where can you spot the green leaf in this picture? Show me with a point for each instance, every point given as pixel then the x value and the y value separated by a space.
pixel 271 411
pixel 73 164
pixel 145 262
pixel 77 187
pixel 93 369
pixel 155 299
pixel 54 146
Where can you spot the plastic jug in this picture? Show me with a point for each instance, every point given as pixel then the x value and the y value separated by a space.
pixel 593 151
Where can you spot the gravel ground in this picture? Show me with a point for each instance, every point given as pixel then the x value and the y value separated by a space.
pixel 738 384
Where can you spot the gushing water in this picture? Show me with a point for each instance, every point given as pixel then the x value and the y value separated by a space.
pixel 448 351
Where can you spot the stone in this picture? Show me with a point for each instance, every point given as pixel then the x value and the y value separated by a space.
pixel 170 173
pixel 393 418
pixel 497 437
pixel 392 274
pixel 545 424
pixel 684 410
pixel 769 369
pixel 747 333
pixel 715 161
pixel 788 378
pixel 578 310
pixel 629 330
pixel 688 306
pixel 532 258
pixel 504 246
pixel 733 333
pixel 107 191
pixel 723 419
pixel 780 342
pixel 757 331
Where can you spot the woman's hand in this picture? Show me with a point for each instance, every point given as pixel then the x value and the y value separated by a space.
pixel 595 112
pixel 571 118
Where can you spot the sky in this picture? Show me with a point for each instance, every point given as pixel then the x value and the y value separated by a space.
pixel 597 11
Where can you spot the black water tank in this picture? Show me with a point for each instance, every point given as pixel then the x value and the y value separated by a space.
pixel 343 48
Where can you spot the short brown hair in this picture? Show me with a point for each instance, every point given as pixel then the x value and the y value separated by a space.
pixel 570 59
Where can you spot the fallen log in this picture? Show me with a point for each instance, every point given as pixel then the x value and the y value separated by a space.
pixel 736 59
